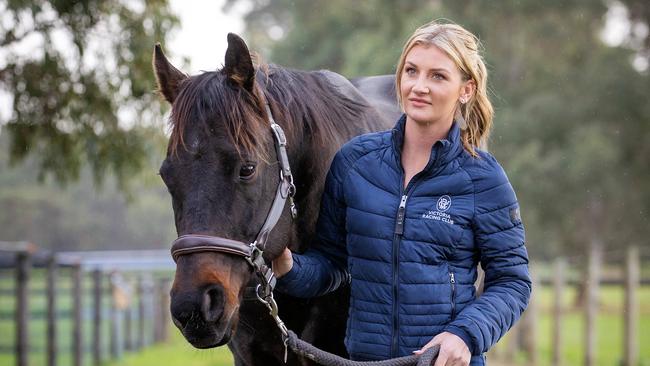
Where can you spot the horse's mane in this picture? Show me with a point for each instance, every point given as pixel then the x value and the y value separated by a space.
pixel 295 97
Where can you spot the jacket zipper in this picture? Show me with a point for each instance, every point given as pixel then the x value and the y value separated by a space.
pixel 399 223
pixel 399 230
pixel 452 280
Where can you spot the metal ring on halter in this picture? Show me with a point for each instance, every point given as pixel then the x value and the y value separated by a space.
pixel 262 300
pixel 257 293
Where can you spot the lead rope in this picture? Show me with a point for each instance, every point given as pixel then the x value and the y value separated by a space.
pixel 264 293
pixel 307 350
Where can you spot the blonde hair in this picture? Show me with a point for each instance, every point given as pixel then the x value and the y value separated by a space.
pixel 463 48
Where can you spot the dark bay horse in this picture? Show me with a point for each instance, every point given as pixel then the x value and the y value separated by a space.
pixel 221 170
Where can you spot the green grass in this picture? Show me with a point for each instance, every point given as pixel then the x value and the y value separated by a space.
pixel 176 352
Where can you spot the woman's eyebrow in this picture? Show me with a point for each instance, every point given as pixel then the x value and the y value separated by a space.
pixel 435 69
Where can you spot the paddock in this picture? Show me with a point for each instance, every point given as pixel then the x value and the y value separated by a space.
pixel 93 307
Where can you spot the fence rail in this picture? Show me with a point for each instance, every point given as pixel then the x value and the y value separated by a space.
pixel 523 338
pixel 111 305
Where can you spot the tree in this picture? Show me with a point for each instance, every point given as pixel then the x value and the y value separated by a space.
pixel 85 94
pixel 78 216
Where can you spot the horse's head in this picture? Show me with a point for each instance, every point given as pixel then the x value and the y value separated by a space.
pixel 222 173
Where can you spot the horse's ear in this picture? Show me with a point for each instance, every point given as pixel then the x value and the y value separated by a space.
pixel 168 77
pixel 239 64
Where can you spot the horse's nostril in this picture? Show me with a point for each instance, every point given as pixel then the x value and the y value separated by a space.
pixel 185 308
pixel 181 319
pixel 213 303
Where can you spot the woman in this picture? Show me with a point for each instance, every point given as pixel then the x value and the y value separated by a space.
pixel 407 214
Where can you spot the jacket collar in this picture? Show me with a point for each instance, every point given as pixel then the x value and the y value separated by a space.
pixel 442 152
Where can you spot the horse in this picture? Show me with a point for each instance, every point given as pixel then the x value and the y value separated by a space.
pixel 221 170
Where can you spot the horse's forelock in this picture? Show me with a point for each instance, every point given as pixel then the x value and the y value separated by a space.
pixel 210 98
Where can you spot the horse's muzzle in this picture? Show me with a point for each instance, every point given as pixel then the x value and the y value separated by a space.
pixel 198 315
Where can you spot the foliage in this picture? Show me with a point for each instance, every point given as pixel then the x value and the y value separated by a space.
pixel 84 95
pixel 79 217
pixel 572 122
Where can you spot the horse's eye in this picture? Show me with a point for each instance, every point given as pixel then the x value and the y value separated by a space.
pixel 247 171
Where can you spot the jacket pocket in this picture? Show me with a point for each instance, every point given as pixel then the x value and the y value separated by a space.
pixel 452 282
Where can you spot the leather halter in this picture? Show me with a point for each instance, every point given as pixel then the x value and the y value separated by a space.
pixel 252 252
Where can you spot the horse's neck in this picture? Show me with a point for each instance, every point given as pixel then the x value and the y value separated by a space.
pixel 309 168
pixel 311 156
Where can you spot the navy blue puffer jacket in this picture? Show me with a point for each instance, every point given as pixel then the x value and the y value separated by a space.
pixel 411 252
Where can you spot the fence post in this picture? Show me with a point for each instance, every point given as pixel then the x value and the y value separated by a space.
pixel 141 313
pixel 97 317
pixel 165 318
pixel 51 310
pixel 157 313
pixel 512 347
pixel 161 317
pixel 77 339
pixel 119 301
pixel 529 323
pixel 150 309
pixel 559 280
pixel 23 267
pixel 631 312
pixel 128 326
pixel 591 306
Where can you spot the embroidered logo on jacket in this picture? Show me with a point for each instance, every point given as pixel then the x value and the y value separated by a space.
pixel 444 203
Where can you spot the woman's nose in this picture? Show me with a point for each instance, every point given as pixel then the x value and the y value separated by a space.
pixel 420 86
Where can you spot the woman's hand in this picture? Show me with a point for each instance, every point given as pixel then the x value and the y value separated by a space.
pixel 453 350
pixel 283 263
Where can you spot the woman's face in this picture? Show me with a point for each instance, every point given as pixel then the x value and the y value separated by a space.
pixel 432 86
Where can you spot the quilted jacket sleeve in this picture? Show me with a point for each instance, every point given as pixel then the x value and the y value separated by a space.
pixel 323 268
pixel 499 235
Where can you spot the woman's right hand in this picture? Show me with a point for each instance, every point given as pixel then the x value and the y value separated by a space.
pixel 282 264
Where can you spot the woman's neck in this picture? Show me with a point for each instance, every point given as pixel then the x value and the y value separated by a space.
pixel 418 140
pixel 420 137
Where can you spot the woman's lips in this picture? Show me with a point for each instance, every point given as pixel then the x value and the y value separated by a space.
pixel 417 102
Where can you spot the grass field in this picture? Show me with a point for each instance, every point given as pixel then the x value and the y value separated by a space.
pixel 177 352
pixel 610 332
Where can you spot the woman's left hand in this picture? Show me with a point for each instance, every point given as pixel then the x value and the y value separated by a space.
pixel 453 350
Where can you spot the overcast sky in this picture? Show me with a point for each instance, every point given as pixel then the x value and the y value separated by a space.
pixel 201 36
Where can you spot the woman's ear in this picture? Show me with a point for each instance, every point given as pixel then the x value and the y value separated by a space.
pixel 467 91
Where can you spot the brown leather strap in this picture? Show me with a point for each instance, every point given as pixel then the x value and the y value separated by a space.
pixel 195 243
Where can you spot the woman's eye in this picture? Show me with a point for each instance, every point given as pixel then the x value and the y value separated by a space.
pixel 410 71
pixel 438 77
pixel 247 171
